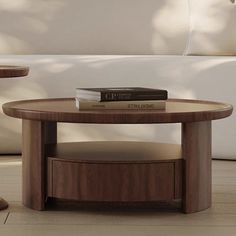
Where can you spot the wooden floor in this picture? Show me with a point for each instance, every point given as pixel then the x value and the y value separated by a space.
pixel 20 221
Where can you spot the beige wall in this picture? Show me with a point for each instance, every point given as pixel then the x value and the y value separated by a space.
pixel 93 26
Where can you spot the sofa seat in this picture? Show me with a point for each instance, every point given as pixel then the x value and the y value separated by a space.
pixel 193 77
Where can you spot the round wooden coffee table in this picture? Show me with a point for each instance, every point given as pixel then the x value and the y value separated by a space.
pixel 7 71
pixel 117 171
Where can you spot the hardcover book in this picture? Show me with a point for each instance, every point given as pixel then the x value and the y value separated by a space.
pixel 120 105
pixel 121 94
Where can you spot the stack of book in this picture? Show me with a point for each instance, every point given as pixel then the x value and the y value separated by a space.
pixel 129 98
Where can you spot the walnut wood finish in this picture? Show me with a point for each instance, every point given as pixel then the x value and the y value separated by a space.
pixel 178 178
pixel 35 135
pixel 13 71
pixel 137 172
pixel 196 151
pixel 112 182
pixel 114 152
pixel 93 176
pixel 3 204
pixel 64 110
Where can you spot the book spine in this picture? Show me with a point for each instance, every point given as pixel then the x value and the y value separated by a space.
pixel 132 105
pixel 124 96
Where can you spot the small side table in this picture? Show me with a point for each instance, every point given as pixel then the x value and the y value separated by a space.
pixel 7 71
pixel 13 71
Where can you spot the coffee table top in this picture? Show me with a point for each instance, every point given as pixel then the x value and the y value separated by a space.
pixel 13 71
pixel 64 110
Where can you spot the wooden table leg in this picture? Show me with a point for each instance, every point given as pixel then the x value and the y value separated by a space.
pixel 35 135
pixel 196 149
pixel 3 204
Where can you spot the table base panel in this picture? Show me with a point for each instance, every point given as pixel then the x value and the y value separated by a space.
pixel 114 182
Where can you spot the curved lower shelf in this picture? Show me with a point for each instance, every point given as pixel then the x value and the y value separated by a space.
pixel 115 151
pixel 115 171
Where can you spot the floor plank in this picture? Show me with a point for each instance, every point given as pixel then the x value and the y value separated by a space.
pixel 219 214
pixel 95 230
pixel 219 220
pixel 3 217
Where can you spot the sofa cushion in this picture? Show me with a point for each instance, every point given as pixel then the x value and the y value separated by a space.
pixel 184 77
pixel 212 27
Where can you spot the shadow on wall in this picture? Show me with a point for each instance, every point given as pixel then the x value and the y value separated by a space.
pixel 213 24
pixel 92 27
pixel 105 26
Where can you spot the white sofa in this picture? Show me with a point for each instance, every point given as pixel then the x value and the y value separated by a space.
pixel 114 43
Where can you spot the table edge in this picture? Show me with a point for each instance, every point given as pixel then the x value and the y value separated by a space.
pixel 43 116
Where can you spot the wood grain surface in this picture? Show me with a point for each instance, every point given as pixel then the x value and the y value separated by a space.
pixel 7 71
pixel 64 110
pixel 74 172
pixel 196 151
pixel 114 152
pixel 35 135
pixel 115 171
pixel 112 182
